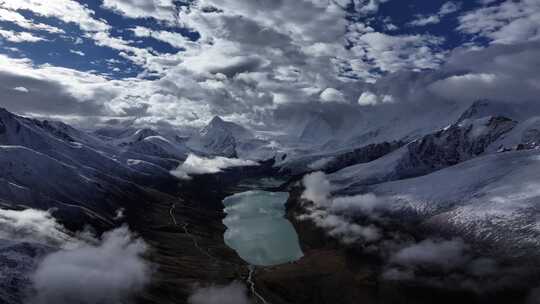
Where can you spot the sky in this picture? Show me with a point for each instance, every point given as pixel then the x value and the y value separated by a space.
pixel 177 63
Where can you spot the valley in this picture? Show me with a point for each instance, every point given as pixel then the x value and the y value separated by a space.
pixel 375 223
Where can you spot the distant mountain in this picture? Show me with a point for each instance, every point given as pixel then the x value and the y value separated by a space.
pixel 219 137
pixel 148 142
pixel 317 130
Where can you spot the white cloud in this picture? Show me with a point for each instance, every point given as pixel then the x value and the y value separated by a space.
pixel 76 52
pixel 34 226
pixel 394 53
pixel 446 9
pixel 234 293
pixel 107 272
pixel 318 188
pixel 425 20
pixel 370 99
pixel 470 87
pixel 449 8
pixel 174 39
pixel 506 23
pixel 433 253
pixel 195 165
pixel 19 37
pixel 342 228
pixel 21 89
pixel 332 95
pixel 330 212
pixel 20 20
pixel 159 9
pixel 68 11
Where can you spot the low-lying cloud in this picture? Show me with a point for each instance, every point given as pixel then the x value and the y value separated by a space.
pixel 81 267
pixel 195 165
pixel 34 226
pixel 317 189
pixel 444 254
pixel 234 293
pixel 363 220
pixel 332 213
pixel 107 272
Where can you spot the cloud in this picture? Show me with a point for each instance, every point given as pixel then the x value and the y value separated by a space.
pixel 363 203
pixel 195 165
pixel 174 39
pixel 21 89
pixel 68 11
pixel 446 9
pixel 317 188
pixel 330 213
pixel 107 272
pixel 392 53
pixel 444 254
pixel 342 228
pixel 80 53
pixel 34 226
pixel 234 293
pixel 23 22
pixel 507 22
pixel 164 10
pixel 370 99
pixel 332 95
pixel 19 37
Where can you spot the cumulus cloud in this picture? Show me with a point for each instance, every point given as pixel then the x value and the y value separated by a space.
pixel 234 293
pixel 370 99
pixel 107 272
pixel 257 59
pixel 332 95
pixel 195 165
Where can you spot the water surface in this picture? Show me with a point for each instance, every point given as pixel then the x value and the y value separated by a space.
pixel 257 229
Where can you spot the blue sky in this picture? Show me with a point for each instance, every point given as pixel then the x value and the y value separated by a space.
pixel 181 62
pixel 57 49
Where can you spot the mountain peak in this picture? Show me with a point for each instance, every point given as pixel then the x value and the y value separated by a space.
pixel 217 120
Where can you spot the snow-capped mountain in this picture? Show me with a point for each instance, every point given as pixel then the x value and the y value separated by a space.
pixel 150 143
pixel 220 138
pixel 475 179
pixel 50 164
pixel 317 130
pixel 492 200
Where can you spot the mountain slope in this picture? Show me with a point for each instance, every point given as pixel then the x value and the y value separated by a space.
pixel 219 138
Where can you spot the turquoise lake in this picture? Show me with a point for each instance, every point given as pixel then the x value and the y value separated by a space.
pixel 257 229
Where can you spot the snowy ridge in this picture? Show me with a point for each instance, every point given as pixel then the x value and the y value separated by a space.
pixel 219 138
pixel 50 164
